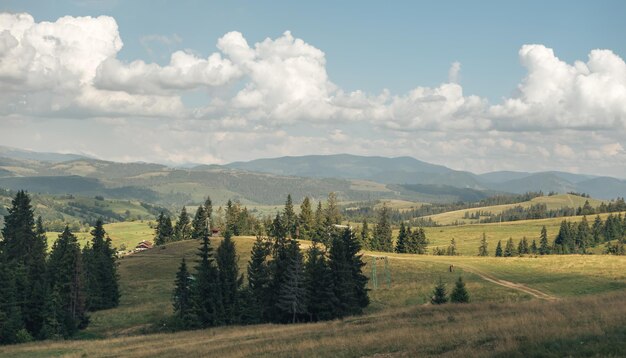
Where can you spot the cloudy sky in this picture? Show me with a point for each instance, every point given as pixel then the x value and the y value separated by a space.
pixel 479 87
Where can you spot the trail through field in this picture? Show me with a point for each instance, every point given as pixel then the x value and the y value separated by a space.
pixel 487 277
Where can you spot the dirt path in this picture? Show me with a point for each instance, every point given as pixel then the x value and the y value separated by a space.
pixel 488 277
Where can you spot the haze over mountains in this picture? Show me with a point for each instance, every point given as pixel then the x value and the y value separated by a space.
pixel 263 181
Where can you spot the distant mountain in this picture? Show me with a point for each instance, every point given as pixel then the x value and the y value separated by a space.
pixel 14 153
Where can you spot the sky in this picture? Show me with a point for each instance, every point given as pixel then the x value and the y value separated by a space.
pixel 478 86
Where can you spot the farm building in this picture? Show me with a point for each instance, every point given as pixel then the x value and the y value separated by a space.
pixel 144 245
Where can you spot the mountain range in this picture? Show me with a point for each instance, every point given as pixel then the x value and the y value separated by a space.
pixel 267 181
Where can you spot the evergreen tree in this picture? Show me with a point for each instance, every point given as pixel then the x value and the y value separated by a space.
pixel 200 225
pixel 482 249
pixel 509 249
pixel 259 277
pixel 321 297
pixel 208 212
pixel 229 277
pixel 292 293
pixel 182 230
pixel 320 229
pixel 382 240
pixel 451 250
pixel 183 297
pixel 584 236
pixel 365 235
pixel 66 279
pixel 459 293
pixel 522 247
pixel 440 295
pixel 348 280
pixel 101 280
pixel 164 232
pixel 499 249
pixel 533 248
pixel 402 238
pixel 207 295
pixel 290 220
pixel 10 313
pixel 306 220
pixel 544 249
pixel 596 230
pixel 333 216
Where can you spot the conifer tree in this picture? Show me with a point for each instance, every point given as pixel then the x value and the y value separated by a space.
pixel 483 248
pixel 321 299
pixel 207 295
pixel 67 281
pixel 451 250
pixel 584 236
pixel 200 224
pixel 164 231
pixel 320 230
pixel 544 248
pixel 365 235
pixel 522 247
pixel 259 277
pixel 499 249
pixel 229 277
pixel 182 230
pixel 183 297
pixel 292 293
pixel 401 240
pixel 208 212
pixel 509 249
pixel 459 293
pixel 596 230
pixel 382 240
pixel 306 220
pixel 440 295
pixel 533 248
pixel 332 214
pixel 289 218
pixel 101 281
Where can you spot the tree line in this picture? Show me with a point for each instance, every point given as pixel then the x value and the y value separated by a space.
pixel 48 295
pixel 283 285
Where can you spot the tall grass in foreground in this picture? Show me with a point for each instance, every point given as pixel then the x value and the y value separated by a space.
pixel 582 326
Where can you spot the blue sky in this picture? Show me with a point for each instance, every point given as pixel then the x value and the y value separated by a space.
pixel 373 78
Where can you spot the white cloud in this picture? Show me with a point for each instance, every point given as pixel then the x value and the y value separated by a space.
pixel 453 72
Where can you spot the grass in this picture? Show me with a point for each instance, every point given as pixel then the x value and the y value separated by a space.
pixel 552 202
pixel 587 326
pixel 128 233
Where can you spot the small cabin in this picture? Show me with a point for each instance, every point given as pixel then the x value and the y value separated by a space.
pixel 144 245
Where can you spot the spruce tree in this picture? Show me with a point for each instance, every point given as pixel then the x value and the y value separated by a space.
pixel 321 299
pixel 229 277
pixel 440 295
pixel 67 281
pixel 509 249
pixel 483 248
pixel 200 224
pixel 401 240
pixel 459 293
pixel 207 295
pixel 259 279
pixel 533 248
pixel 596 230
pixel 349 283
pixel 164 232
pixel 208 211
pixel 332 214
pixel 499 249
pixel 365 235
pixel 383 240
pixel 451 250
pixel 306 220
pixel 584 236
pixel 183 297
pixel 182 230
pixel 544 248
pixel 292 293
pixel 290 220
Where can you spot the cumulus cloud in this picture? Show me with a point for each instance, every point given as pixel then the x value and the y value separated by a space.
pixel 275 97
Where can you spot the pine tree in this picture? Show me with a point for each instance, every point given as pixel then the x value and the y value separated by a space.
pixel 306 221
pixel 522 247
pixel 499 249
pixel 482 249
pixel 382 240
pixel 66 279
pixel 207 295
pixel 292 291
pixel 459 293
pixel 509 249
pixel 229 277
pixel 533 248
pixel 544 248
pixel 182 230
pixel 208 211
pixel 356 264
pixel 596 230
pixel 332 214
pixel 289 218
pixel 451 250
pixel 200 224
pixel 401 240
pixel 440 295
pixel 183 297
pixel 348 280
pixel 10 313
pixel 232 218
pixel 584 236
pixel 321 297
